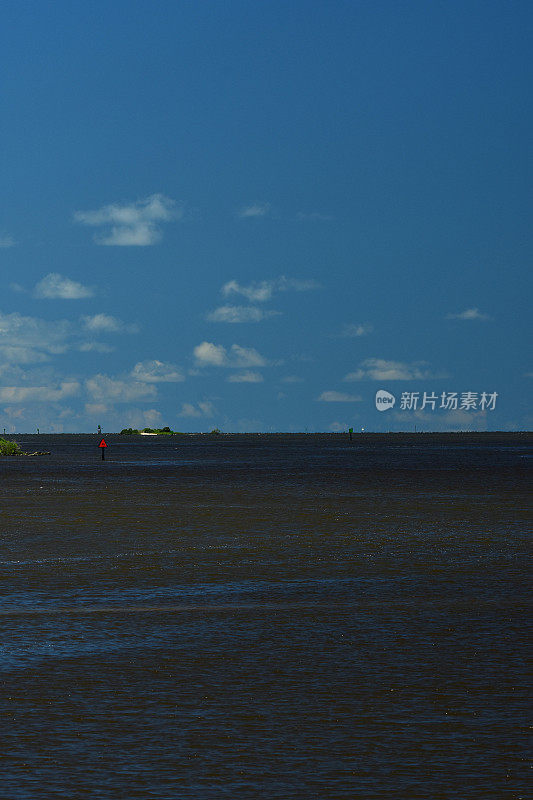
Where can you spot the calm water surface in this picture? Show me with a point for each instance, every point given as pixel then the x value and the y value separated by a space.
pixel 265 617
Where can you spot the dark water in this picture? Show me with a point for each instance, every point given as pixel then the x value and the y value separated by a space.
pixel 265 617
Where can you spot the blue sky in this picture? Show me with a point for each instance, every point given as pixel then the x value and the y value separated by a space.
pixel 254 216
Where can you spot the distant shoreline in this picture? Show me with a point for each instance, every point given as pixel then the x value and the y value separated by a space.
pixel 393 437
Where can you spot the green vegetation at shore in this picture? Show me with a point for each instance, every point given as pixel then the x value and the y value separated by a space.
pixel 9 448
pixel 160 431
pixel 166 431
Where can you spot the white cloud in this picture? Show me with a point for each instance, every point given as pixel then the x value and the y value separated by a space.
pixel 261 291
pixel 255 292
pixel 255 210
pixel 30 340
pixel 142 235
pixel 338 427
pixel 95 347
pixel 208 354
pixel 245 357
pixel 245 377
pixel 14 413
pixel 22 355
pixel 96 408
pixel 104 323
pixel 6 240
pixel 313 216
pixel 156 372
pixel 469 313
pixel 132 224
pixel 339 397
pixel 352 330
pixel 39 394
pixel 378 369
pixel 239 314
pixel 26 340
pixel 56 286
pixel 103 388
pixel 152 417
pixel 203 408
pixel 287 284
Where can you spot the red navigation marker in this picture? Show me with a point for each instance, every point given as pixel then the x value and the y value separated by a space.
pixel 103 445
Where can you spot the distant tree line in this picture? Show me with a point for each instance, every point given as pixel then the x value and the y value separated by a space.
pixel 129 431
